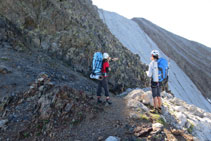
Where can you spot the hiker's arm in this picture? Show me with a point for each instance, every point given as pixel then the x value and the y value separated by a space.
pixel 108 69
pixel 149 72
pixel 113 59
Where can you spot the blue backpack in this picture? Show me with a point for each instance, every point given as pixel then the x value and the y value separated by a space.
pixel 97 66
pixel 162 69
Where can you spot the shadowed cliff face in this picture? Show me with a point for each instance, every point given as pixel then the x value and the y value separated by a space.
pixel 192 57
pixel 72 32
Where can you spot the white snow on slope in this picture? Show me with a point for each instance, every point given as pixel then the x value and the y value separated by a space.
pixel 135 39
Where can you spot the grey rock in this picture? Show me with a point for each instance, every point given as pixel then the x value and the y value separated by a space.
pixel 41 88
pixel 45 45
pixel 4 69
pixel 112 138
pixel 68 107
pixel 157 126
pixel 3 123
pixel 45 109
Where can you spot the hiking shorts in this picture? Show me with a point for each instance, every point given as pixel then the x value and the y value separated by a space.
pixel 156 89
pixel 156 92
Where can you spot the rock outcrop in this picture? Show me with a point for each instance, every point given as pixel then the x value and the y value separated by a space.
pixel 42 109
pixel 184 119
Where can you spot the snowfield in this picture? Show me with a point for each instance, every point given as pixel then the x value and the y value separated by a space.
pixel 135 39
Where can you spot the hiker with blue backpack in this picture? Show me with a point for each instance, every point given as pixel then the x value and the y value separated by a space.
pixel 158 71
pixel 100 72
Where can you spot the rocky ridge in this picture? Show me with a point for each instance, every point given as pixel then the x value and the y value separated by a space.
pixel 72 31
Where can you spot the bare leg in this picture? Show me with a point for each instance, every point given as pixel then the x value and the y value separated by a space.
pixel 155 102
pixel 159 102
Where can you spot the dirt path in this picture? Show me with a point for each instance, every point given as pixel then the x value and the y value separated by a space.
pixel 112 120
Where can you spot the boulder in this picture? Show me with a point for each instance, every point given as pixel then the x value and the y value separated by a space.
pixel 135 94
pixel 147 98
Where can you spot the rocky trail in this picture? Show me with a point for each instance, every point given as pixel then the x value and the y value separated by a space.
pixel 51 112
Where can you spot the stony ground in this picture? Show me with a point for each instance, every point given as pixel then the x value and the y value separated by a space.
pixel 47 111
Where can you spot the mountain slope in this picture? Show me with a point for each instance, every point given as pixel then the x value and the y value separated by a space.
pixel 72 32
pixel 193 58
pixel 135 39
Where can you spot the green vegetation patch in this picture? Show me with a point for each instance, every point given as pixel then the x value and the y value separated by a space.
pixel 158 118
pixel 190 129
pixel 4 59
pixel 144 117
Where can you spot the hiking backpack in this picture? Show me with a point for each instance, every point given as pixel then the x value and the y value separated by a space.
pixel 162 69
pixel 97 66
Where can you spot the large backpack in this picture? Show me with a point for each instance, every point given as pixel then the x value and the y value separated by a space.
pixel 97 66
pixel 162 69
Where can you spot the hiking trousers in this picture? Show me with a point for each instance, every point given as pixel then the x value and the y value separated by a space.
pixel 103 83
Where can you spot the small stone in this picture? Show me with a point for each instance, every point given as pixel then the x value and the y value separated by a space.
pixel 41 79
pixel 36 41
pixel 41 88
pixel 100 138
pixel 32 87
pixel 112 138
pixel 143 131
pixel 63 77
pixel 20 101
pixel 3 123
pixel 2 106
pixel 4 69
pixel 157 127
pixel 68 107
pixel 45 109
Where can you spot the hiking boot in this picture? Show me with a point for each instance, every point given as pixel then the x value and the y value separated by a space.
pixel 108 101
pixel 155 111
pixel 99 101
pixel 159 110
